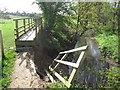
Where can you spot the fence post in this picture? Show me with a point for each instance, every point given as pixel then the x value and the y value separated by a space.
pixel 24 25
pixel 29 23
pixel 17 34
pixel 41 28
pixel 1 46
pixel 36 25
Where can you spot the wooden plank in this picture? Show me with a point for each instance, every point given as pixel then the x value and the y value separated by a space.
pixel 61 60
pixel 16 23
pixel 80 58
pixel 24 43
pixel 61 78
pixel 67 63
pixel 64 57
pixel 55 58
pixel 29 23
pixel 20 27
pixel 74 50
pixel 24 25
pixel 25 32
pixel 14 19
pixel 72 75
pixel 30 35
pixel 51 78
pixel 75 65
pixel 21 30
pixel 75 70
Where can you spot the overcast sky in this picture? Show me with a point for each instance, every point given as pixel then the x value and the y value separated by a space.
pixel 24 5
pixel 19 5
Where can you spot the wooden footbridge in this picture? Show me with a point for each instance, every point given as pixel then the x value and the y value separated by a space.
pixel 26 31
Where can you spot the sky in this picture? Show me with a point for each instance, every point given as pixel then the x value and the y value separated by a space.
pixel 19 5
pixel 23 5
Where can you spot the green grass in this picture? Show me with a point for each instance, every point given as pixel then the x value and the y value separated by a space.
pixel 109 46
pixel 8 33
pixel 74 85
pixel 8 63
pixel 8 41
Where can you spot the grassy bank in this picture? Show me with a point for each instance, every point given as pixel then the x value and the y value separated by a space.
pixel 7 64
pixel 8 32
pixel 7 26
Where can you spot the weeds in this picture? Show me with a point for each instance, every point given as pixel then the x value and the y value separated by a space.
pixel 7 65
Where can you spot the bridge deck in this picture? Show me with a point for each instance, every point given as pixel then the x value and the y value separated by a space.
pixel 29 36
pixel 26 32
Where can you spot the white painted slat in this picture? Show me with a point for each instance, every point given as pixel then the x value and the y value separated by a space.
pixel 67 63
pixel 51 78
pixel 61 78
pixel 72 75
pixel 61 60
pixel 75 50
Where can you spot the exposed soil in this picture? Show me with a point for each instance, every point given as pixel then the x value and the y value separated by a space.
pixel 24 74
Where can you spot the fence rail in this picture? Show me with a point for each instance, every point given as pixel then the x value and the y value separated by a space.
pixel 75 66
pixel 23 25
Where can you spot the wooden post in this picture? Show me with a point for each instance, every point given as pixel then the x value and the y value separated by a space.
pixel 1 46
pixel 29 23
pixel 41 24
pixel 16 23
pixel 24 24
pixel 36 26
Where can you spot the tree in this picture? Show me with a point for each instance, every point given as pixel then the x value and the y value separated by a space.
pixel 51 10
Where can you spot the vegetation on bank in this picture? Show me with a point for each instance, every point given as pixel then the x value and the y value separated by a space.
pixel 8 33
pixel 108 45
pixel 7 26
pixel 65 22
pixel 7 68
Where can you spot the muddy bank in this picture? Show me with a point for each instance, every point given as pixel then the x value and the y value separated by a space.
pixel 24 74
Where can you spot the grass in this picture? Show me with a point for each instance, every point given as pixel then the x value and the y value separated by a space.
pixel 8 41
pixel 8 63
pixel 8 33
pixel 60 85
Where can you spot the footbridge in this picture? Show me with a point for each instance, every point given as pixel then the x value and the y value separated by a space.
pixel 26 30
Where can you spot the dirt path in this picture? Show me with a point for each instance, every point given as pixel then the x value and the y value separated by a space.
pixel 24 74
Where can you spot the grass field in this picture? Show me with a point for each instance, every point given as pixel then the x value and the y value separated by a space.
pixel 8 32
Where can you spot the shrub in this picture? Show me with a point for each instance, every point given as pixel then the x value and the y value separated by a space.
pixel 112 78
pixel 108 45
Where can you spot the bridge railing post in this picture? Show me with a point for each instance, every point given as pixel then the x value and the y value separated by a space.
pixel 41 23
pixel 35 26
pixel 29 23
pixel 24 25
pixel 16 29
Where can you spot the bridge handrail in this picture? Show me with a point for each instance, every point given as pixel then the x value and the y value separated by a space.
pixel 28 24
pixel 21 18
